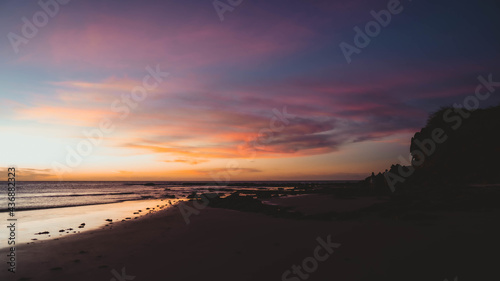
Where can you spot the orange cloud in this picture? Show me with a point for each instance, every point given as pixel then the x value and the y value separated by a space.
pixel 188 161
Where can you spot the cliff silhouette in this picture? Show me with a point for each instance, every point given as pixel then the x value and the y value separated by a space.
pixel 457 146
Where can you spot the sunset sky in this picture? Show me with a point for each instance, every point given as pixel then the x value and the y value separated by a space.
pixel 226 82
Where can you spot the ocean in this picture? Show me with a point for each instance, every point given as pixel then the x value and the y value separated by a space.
pixel 35 195
pixel 54 194
pixel 47 210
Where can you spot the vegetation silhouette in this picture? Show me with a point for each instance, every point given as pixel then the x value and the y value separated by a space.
pixel 468 153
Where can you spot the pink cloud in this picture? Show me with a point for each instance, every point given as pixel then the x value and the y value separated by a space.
pixel 118 43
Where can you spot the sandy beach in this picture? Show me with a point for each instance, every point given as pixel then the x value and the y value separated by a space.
pixel 221 244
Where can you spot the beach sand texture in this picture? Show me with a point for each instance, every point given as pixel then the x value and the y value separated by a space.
pixel 221 244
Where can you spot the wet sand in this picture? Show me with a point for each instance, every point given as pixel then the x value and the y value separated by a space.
pixel 44 224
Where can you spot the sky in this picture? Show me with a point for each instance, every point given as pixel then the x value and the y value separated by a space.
pixel 231 90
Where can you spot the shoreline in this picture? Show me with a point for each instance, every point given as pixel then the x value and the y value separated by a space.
pixel 71 206
pixel 38 225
